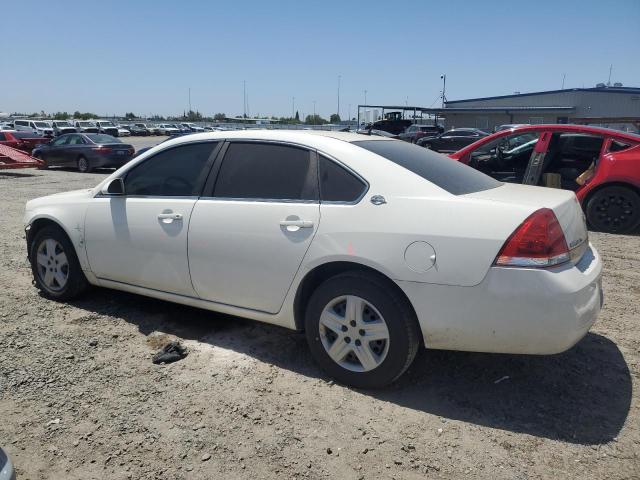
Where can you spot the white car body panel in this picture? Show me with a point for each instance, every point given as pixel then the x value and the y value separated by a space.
pixel 127 242
pixel 239 254
pixel 437 247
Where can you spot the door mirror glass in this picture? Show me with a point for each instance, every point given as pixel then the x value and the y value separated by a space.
pixel 114 187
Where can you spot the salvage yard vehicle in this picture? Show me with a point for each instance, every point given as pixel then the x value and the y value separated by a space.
pixel 25 140
pixel 122 131
pixel 452 140
pixel 61 127
pixel 600 165
pixel 346 237
pixel 192 127
pixel 167 129
pixel 85 126
pixel 35 126
pixel 415 132
pixel 84 152
pixel 107 127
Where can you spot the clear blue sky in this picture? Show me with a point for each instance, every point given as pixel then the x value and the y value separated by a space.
pixel 109 57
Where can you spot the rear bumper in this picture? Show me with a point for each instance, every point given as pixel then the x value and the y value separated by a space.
pixel 513 310
pixel 110 161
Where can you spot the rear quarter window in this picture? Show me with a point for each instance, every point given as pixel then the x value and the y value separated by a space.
pixel 448 174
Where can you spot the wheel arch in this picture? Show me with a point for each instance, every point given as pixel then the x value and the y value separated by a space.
pixel 38 224
pixel 615 183
pixel 320 273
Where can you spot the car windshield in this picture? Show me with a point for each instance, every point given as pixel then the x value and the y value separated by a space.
pixel 62 124
pixel 446 173
pixel 86 124
pixel 41 125
pixel 100 138
pixel 105 124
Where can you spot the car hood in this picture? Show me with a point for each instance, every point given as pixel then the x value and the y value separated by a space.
pixel 62 197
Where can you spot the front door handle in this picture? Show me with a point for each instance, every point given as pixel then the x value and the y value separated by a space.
pixel 297 223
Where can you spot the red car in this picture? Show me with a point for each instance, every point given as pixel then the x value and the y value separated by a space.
pixel 25 141
pixel 600 165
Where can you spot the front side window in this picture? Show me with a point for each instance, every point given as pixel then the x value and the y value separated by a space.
pixel 267 171
pixel 176 172
pixel 76 140
pixel 61 140
pixel 337 184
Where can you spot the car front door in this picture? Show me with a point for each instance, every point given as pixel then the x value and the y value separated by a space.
pixel 140 238
pixel 70 152
pixel 52 153
pixel 249 234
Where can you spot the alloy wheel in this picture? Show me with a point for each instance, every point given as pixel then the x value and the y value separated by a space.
pixel 614 211
pixel 354 334
pixel 52 264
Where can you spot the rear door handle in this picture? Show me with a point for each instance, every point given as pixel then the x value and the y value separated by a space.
pixel 170 216
pixel 297 223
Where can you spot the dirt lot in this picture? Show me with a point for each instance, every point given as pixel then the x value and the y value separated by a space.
pixel 80 398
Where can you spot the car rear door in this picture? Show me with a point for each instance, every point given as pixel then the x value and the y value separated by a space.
pixel 250 231
pixel 140 238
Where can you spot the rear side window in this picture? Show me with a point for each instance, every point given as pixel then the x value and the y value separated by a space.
pixel 446 173
pixel 176 172
pixel 617 146
pixel 337 184
pixel 267 172
pixel 2 137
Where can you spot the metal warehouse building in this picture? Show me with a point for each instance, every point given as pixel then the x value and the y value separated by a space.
pixel 616 107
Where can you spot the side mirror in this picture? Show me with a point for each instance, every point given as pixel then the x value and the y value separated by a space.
pixel 114 187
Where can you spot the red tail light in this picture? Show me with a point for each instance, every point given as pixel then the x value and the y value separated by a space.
pixel 103 150
pixel 538 242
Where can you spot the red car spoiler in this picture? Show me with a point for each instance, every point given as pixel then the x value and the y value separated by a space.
pixel 12 158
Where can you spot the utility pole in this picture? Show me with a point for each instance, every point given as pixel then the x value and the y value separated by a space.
pixel 365 97
pixel 444 87
pixel 314 112
pixel 244 99
pixel 349 113
pixel 339 76
pixel 189 99
pixel 609 81
pixel 564 75
pixel 293 107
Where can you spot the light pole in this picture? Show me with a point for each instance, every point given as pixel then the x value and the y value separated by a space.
pixel 293 107
pixel 444 87
pixel 314 112
pixel 339 76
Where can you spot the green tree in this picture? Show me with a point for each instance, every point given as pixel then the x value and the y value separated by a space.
pixel 219 117
pixel 130 116
pixel 334 118
pixel 61 116
pixel 297 116
pixel 315 120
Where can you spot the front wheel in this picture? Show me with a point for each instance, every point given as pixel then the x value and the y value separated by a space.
pixel 55 266
pixel 427 146
pixel 360 331
pixel 614 209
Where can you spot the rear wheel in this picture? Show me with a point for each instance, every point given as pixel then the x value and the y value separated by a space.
pixel 84 165
pixel 55 266
pixel 360 331
pixel 614 209
pixel 45 164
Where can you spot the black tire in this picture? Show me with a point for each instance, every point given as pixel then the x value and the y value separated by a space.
pixel 84 165
pixel 76 282
pixel 45 164
pixel 427 146
pixel 614 209
pixel 401 322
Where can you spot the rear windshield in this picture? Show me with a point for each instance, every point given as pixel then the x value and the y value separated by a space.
pixel 99 138
pixel 446 173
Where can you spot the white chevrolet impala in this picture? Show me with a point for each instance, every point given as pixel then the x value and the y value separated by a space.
pixel 370 245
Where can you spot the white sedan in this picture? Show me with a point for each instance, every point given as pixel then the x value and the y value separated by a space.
pixel 370 245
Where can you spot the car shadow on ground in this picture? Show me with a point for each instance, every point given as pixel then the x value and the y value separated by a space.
pixel 582 396
pixel 16 174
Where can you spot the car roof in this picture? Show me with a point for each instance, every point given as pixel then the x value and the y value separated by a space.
pixel 554 127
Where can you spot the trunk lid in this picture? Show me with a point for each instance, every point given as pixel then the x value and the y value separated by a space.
pixel 564 204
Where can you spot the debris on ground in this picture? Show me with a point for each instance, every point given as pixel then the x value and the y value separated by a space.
pixel 171 352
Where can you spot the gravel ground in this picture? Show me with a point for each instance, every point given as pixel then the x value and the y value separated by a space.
pixel 80 398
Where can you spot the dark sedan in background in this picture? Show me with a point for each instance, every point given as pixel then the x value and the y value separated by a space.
pixel 84 152
pixel 452 140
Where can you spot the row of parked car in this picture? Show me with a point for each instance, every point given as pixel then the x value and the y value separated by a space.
pixel 54 128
